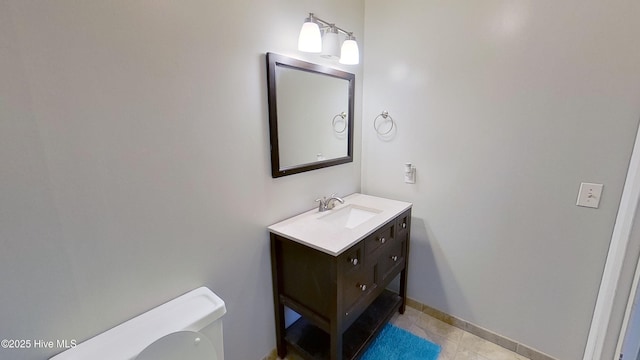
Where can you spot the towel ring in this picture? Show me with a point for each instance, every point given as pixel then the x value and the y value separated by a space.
pixel 385 115
pixel 342 115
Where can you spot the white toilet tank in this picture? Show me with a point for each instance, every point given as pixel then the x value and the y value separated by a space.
pixel 170 331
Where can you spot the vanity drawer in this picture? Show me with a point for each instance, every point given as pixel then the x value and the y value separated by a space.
pixel 393 260
pixel 357 285
pixel 380 239
pixel 352 259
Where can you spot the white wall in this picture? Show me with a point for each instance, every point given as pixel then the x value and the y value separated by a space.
pixel 505 107
pixel 134 161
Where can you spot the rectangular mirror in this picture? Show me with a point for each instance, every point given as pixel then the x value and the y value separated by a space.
pixel 310 115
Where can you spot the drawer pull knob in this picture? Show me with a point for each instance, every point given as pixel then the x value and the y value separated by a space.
pixel 394 258
pixel 404 225
pixel 363 287
pixel 354 261
pixel 382 240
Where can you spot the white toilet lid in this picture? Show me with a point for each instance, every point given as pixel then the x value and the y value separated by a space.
pixel 181 345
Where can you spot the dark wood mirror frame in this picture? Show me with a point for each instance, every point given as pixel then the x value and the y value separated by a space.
pixel 274 61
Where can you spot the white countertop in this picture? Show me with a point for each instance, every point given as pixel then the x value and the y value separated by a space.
pixel 308 229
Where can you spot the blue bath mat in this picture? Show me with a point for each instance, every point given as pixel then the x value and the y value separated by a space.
pixel 394 343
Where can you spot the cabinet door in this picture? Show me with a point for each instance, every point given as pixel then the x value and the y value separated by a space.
pixel 403 223
pixel 356 286
pixel 352 259
pixel 392 261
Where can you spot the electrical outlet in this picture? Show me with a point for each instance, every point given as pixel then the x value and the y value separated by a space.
pixel 409 173
pixel 589 195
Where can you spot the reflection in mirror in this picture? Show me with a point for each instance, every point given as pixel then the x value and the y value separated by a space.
pixel 306 131
pixel 310 115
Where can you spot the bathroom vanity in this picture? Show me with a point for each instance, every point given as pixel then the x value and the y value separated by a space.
pixel 333 269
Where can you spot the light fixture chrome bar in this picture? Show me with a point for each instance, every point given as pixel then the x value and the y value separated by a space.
pixel 326 24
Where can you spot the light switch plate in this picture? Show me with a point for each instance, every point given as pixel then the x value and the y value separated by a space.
pixel 589 195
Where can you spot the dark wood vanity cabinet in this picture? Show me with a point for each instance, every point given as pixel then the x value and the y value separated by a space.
pixel 342 300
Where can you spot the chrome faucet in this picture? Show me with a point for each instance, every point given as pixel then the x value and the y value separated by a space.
pixel 325 204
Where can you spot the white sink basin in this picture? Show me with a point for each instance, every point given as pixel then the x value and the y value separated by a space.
pixel 349 216
pixel 336 230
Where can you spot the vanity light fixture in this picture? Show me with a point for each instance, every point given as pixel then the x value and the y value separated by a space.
pixel 331 43
pixel 349 53
pixel 311 40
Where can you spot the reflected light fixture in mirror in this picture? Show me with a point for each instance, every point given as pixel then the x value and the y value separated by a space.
pixel 311 40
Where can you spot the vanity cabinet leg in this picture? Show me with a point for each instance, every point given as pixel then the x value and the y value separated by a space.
pixel 276 279
pixel 335 344
pixel 281 345
pixel 403 290
pixel 405 271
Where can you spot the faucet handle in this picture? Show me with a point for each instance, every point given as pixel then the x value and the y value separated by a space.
pixel 321 203
pixel 331 202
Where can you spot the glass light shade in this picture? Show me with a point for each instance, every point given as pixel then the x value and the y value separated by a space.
pixel 349 54
pixel 331 44
pixel 310 39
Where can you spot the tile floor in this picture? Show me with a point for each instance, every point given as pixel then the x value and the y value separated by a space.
pixel 456 343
